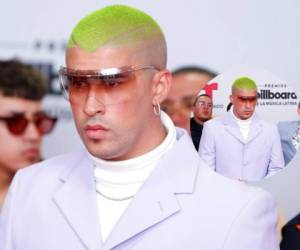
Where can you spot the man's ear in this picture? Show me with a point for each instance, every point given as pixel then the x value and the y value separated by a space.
pixel 161 86
pixel 231 98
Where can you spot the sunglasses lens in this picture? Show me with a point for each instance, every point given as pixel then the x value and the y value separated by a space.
pixel 111 86
pixel 44 123
pixel 248 99
pixel 17 124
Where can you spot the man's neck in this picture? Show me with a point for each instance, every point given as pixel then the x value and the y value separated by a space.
pixel 5 180
pixel 199 121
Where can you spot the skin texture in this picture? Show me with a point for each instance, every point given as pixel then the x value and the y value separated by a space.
pixel 203 113
pixel 243 109
pixel 17 152
pixel 185 87
pixel 128 128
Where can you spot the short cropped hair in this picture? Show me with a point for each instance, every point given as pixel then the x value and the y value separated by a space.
pixel 194 69
pixel 115 24
pixel 21 80
pixel 244 83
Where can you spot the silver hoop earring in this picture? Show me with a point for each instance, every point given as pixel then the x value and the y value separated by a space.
pixel 156 109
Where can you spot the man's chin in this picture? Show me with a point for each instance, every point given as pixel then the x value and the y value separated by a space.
pixel 204 119
pixel 246 117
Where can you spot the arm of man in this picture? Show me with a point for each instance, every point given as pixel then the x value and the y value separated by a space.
pixel 255 226
pixel 276 162
pixel 207 149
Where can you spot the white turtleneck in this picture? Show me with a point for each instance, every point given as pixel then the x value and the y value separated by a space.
pixel 117 182
pixel 244 125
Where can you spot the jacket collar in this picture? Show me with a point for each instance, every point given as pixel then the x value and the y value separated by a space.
pixel 76 200
pixel 232 127
pixel 155 202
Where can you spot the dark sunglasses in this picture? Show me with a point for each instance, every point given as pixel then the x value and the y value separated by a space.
pixel 250 99
pixel 202 104
pixel 17 123
pixel 76 83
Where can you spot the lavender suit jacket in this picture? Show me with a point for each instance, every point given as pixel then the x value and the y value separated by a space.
pixel 224 149
pixel 183 205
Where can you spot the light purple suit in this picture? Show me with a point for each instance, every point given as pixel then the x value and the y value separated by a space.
pixel 182 206
pixel 223 148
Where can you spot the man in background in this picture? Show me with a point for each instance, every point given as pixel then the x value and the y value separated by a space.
pixel 186 85
pixel 22 121
pixel 290 137
pixel 202 110
pixel 239 144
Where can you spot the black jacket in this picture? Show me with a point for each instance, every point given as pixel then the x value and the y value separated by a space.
pixel 291 235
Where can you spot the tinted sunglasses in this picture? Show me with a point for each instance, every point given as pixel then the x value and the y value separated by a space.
pixel 18 122
pixel 202 104
pixel 111 84
pixel 250 99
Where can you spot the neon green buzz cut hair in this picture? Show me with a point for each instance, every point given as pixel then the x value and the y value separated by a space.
pixel 113 25
pixel 244 83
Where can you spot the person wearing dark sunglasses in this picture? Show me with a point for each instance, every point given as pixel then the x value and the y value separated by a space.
pixel 240 145
pixel 22 121
pixel 138 183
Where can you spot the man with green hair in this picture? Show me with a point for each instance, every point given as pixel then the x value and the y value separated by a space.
pixel 240 145
pixel 139 183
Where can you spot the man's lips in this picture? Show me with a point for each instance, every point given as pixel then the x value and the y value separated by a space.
pixel 95 132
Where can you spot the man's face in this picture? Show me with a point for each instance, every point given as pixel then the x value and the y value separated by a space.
pixel 114 122
pixel 18 151
pixel 184 89
pixel 203 109
pixel 244 103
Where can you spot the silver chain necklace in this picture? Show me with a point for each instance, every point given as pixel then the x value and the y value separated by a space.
pixel 114 199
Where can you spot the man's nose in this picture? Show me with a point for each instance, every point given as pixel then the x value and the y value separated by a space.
pixel 31 132
pixel 94 103
pixel 249 104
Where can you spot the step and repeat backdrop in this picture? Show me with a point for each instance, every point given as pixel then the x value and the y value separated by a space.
pixel 235 38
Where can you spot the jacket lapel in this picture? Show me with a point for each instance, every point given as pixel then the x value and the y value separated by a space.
pixel 156 201
pixel 255 128
pixel 232 127
pixel 76 200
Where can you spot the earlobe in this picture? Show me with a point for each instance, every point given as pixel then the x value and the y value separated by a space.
pixel 162 83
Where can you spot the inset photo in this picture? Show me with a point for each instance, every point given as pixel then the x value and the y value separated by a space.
pixel 254 131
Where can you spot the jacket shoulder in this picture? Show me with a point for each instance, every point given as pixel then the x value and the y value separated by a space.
pixel 51 167
pixel 216 121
